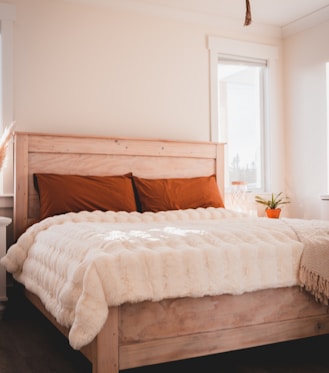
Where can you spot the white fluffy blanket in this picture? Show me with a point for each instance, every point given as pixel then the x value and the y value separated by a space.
pixel 81 263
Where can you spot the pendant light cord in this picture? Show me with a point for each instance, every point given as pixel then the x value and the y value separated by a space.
pixel 247 20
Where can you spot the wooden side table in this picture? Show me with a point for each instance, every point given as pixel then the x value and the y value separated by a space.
pixel 4 222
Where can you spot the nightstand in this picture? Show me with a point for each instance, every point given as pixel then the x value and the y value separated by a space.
pixel 4 222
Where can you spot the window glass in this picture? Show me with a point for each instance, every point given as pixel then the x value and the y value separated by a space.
pixel 241 120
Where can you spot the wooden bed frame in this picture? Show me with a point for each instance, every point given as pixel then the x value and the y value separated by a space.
pixel 154 332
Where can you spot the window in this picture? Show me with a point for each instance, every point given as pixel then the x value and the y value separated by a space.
pixel 240 91
pixel 7 16
pixel 241 119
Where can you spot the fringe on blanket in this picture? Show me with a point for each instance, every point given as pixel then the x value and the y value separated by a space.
pixel 315 284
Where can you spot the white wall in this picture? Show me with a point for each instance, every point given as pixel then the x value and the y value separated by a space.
pixel 85 69
pixel 306 132
pixel 95 70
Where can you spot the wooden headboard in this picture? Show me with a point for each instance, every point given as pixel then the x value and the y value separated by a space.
pixel 89 155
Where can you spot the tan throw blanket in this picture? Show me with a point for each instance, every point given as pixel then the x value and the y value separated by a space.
pixel 80 264
pixel 314 265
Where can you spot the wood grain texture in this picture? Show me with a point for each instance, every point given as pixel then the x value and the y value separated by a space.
pixel 64 154
pixel 30 344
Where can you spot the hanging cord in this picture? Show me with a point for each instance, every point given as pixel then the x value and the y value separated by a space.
pixel 247 20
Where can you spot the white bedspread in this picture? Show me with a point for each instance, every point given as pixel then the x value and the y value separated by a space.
pixel 81 263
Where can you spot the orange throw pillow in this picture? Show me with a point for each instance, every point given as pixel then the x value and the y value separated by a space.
pixel 177 193
pixel 73 193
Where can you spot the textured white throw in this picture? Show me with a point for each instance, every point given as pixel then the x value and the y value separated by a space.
pixel 81 263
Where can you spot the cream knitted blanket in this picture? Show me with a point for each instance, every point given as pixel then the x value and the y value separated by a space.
pixel 79 264
pixel 314 265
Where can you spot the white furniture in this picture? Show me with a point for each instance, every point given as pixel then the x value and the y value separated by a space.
pixel 4 222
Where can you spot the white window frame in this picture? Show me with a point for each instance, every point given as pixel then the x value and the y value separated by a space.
pixel 241 49
pixel 7 18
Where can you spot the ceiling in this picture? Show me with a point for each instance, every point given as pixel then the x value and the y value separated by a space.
pixel 280 13
pixel 274 12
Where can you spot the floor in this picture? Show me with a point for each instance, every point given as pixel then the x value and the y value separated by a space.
pixel 30 344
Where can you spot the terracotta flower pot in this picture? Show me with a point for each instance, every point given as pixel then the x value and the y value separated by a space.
pixel 273 213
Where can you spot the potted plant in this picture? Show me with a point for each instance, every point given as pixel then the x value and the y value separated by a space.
pixel 272 205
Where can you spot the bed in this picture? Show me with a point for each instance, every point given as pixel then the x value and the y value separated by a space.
pixel 153 331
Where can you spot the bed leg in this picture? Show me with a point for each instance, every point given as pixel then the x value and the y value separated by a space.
pixel 106 353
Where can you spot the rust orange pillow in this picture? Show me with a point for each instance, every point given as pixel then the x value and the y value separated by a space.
pixel 177 193
pixel 60 194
